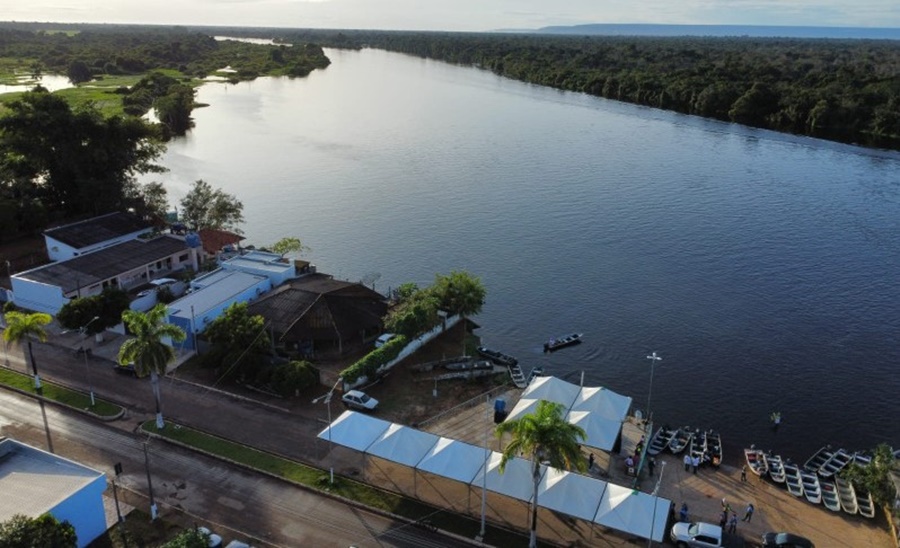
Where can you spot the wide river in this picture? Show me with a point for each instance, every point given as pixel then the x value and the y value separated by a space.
pixel 763 268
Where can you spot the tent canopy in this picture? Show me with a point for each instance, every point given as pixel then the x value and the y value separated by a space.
pixel 552 389
pixel 631 511
pixel 523 407
pixel 354 430
pixel 402 444
pixel 600 433
pixel 515 481
pixel 453 459
pixel 571 494
pixel 603 402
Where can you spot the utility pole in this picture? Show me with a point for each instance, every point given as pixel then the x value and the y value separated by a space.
pixel 153 512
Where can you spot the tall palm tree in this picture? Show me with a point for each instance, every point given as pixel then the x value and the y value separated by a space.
pixel 146 350
pixel 545 436
pixel 21 327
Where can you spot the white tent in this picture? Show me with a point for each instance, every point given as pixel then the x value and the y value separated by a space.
pixel 603 402
pixel 453 459
pixel 354 430
pixel 552 389
pixel 631 511
pixel 571 494
pixel 515 481
pixel 402 444
pixel 600 433
pixel 523 407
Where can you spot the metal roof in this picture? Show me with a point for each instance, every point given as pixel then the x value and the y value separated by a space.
pixel 99 229
pixel 92 268
pixel 227 285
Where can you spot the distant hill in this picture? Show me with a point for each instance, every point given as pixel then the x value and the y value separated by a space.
pixel 725 30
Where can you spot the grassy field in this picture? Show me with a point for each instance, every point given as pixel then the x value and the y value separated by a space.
pixel 57 393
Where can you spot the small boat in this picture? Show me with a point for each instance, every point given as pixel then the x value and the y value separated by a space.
pixel 819 458
pixel 865 503
pixel 680 440
pixel 776 468
pixel 660 440
pixel 469 365
pixel 698 446
pixel 756 461
pixel 861 458
pixel 830 496
pixel 792 479
pixel 811 488
pixel 497 357
pixel 560 342
pixel 714 446
pixel 838 461
pixel 847 495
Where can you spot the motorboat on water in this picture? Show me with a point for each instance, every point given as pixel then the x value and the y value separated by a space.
pixel 811 488
pixel 681 439
pixel 776 468
pixel 819 458
pixel 830 497
pixel 792 479
pixel 562 342
pixel 497 357
pixel 838 461
pixel 847 495
pixel 660 440
pixel 756 461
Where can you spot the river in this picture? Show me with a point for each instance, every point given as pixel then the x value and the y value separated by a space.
pixel 762 267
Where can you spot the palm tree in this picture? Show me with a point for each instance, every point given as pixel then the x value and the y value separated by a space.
pixel 21 327
pixel 546 437
pixel 146 350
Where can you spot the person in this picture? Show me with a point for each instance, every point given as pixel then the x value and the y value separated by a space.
pixel 748 515
pixel 732 523
pixel 629 461
pixel 687 462
pixel 744 473
pixel 723 519
pixel 683 513
pixel 695 462
pixel 590 462
pixel 651 464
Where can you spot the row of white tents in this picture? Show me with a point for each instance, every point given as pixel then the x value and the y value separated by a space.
pixel 451 474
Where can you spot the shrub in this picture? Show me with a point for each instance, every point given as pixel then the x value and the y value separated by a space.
pixel 289 378
pixel 369 364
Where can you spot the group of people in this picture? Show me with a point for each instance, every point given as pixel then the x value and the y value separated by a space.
pixel 631 461
pixel 731 522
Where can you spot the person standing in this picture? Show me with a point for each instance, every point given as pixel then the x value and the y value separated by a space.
pixel 744 473
pixel 687 462
pixel 695 462
pixel 723 519
pixel 683 513
pixel 748 515
pixel 651 464
pixel 591 462
pixel 732 523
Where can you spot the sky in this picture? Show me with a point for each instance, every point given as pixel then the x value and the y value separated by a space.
pixel 457 15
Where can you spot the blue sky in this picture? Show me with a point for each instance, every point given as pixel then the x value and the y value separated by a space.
pixel 457 15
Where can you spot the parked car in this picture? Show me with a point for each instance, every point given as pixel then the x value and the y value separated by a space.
pixel 383 340
pixel 696 535
pixel 125 369
pixel 785 540
pixel 354 399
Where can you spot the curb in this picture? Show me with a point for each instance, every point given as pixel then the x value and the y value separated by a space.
pixel 103 418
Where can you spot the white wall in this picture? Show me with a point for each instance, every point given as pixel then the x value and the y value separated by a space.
pixel 36 296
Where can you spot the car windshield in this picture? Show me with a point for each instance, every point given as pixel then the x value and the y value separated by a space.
pixel 363 398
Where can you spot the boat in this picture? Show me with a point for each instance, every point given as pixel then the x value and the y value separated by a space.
pixel 680 440
pixel 697 447
pixel 838 461
pixel 865 503
pixel 847 495
pixel 660 440
pixel 497 357
pixel 561 342
pixel 811 488
pixel 830 497
pixel 469 365
pixel 792 479
pixel 776 468
pixel 714 446
pixel 756 461
pixel 819 458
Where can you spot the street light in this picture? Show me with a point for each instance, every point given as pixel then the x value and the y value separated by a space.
pixel 653 359
pixel 327 400
pixel 87 370
pixel 655 500
pixel 480 537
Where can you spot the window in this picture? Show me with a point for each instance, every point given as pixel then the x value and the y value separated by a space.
pixel 183 258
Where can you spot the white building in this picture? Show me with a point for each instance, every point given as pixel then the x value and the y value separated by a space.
pixel 76 239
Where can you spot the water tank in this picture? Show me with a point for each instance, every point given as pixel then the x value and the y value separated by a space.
pixel 193 240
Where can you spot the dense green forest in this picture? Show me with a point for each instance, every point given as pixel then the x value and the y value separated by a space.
pixel 842 90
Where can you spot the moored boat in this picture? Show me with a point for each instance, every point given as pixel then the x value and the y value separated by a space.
pixel 776 468
pixel 865 503
pixel 838 461
pixel 660 440
pixel 469 365
pixel 819 458
pixel 714 446
pixel 697 447
pixel 830 496
pixel 561 342
pixel 497 357
pixel 847 495
pixel 756 461
pixel 792 479
pixel 680 440
pixel 811 489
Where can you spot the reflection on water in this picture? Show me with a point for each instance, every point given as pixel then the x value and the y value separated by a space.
pixel 53 82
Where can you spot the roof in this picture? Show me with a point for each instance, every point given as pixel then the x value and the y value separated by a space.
pixel 227 284
pixel 214 239
pixel 99 229
pixel 34 481
pixel 319 307
pixel 95 267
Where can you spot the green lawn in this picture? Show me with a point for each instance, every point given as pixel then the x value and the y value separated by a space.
pixel 58 393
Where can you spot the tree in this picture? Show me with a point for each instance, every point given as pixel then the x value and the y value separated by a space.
pixel 27 327
pixel 107 307
pixel 545 437
pixel 876 477
pixel 206 207
pixel 189 538
pixel 460 293
pixel 288 245
pixel 414 316
pixel 79 72
pixel 146 350
pixel 174 109
pixel 239 337
pixel 41 532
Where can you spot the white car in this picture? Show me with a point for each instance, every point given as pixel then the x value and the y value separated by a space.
pixel 383 340
pixel 354 399
pixel 215 541
pixel 696 535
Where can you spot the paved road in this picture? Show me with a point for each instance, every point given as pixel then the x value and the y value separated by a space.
pixel 251 504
